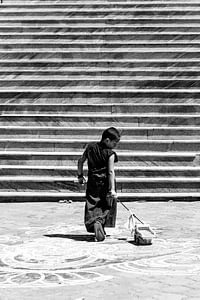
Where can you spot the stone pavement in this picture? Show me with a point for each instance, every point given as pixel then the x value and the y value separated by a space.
pixel 46 254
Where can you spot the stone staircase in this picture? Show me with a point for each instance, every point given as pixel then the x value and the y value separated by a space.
pixel 69 69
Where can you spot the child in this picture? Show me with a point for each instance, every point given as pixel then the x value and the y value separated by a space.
pixel 101 203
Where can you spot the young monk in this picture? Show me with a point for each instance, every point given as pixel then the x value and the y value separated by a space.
pixel 101 197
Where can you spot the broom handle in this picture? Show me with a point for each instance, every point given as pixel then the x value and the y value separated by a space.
pixel 130 211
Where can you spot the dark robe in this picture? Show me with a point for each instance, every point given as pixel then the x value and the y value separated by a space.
pixel 96 207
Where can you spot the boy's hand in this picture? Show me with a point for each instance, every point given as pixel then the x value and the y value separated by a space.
pixel 110 197
pixel 113 193
pixel 81 179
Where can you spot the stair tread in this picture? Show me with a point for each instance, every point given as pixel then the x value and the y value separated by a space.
pixel 91 71
pixel 46 2
pixel 93 89
pixel 103 115
pixel 96 26
pixel 95 47
pixel 113 104
pixel 122 168
pixel 60 34
pixel 120 195
pixel 60 78
pixel 50 178
pixel 73 128
pixel 77 2
pixel 53 60
pixel 37 8
pixel 121 154
pixel 76 141
pixel 99 42
pixel 171 17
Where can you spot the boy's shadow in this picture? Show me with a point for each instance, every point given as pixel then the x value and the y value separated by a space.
pixel 75 237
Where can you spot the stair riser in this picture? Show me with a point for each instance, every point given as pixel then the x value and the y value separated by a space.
pixel 185 76
pixel 131 37
pixel 118 173
pixel 96 121
pixel 90 29
pixel 94 2
pixel 103 108
pixel 64 65
pixel 95 97
pixel 105 4
pixel 51 84
pixel 78 146
pixel 182 46
pixel 102 13
pixel 157 187
pixel 103 55
pixel 80 197
pixel 123 20
pixel 58 186
pixel 20 197
pixel 66 160
pixel 142 134
pixel 69 186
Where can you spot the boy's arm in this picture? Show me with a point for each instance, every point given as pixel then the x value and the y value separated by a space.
pixel 81 161
pixel 111 175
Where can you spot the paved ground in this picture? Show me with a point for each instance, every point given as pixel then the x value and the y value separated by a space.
pixel 45 253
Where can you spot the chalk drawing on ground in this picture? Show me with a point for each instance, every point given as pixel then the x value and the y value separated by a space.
pixel 183 259
pixel 58 256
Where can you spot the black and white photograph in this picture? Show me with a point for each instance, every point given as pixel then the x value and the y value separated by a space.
pixel 99 149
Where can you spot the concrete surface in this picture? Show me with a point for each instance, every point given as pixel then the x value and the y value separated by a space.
pixel 45 253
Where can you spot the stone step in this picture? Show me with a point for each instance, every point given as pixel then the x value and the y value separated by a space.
pixel 170 20
pixel 49 64
pixel 72 182
pixel 130 158
pixel 158 184
pixel 80 196
pixel 61 2
pixel 67 80
pixel 102 79
pixel 136 172
pixel 97 5
pixel 81 51
pixel 22 72
pixel 37 48
pixel 144 54
pixel 17 73
pixel 124 185
pixel 99 119
pixel 97 95
pixel 77 109
pixel 78 144
pixel 100 10
pixel 104 83
pixel 145 133
pixel 153 29
pixel 139 65
pixel 101 36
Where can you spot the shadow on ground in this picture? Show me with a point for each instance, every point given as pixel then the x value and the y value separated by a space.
pixel 75 237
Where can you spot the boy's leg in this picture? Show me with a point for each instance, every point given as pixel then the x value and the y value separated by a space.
pixel 99 231
pixel 94 221
pixel 110 219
